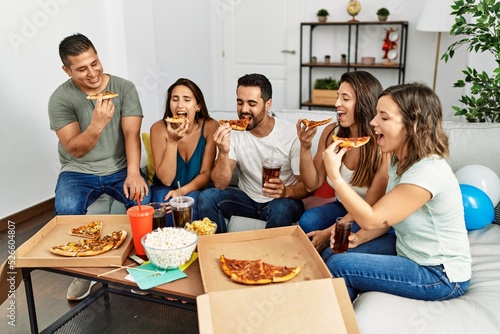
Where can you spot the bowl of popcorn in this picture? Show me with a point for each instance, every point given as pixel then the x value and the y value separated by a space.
pixel 202 227
pixel 169 247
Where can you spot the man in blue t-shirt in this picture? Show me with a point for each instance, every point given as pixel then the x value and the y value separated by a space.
pixel 99 144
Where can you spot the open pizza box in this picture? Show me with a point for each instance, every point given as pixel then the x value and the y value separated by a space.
pixel 310 302
pixel 35 251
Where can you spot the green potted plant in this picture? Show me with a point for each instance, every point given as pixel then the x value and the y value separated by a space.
pixel 343 58
pixel 383 14
pixel 322 15
pixel 327 59
pixel 482 104
pixel 325 91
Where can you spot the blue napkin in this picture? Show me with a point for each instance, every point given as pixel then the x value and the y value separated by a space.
pixel 148 276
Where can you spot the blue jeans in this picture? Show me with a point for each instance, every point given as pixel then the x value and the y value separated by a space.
pixel 218 204
pixel 75 192
pixel 321 217
pixel 158 192
pixel 395 275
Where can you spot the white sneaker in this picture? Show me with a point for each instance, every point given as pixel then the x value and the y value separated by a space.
pixel 79 289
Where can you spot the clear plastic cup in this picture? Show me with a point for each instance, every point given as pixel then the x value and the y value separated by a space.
pixel 182 210
pixel 271 169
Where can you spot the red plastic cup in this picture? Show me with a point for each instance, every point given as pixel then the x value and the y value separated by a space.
pixel 141 223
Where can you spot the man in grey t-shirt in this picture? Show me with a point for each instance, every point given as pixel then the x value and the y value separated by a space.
pixel 99 144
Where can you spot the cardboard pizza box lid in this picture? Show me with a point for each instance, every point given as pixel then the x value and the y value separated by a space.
pixel 287 246
pixel 317 306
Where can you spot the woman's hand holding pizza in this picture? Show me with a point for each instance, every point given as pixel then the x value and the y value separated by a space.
pixel 332 158
pixel 176 133
pixel 305 134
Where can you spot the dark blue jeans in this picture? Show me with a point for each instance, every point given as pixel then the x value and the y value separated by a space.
pixel 75 192
pixel 218 204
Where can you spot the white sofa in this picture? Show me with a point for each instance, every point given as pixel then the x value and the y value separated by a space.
pixel 475 312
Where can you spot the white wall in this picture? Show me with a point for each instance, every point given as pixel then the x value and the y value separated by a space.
pixel 152 43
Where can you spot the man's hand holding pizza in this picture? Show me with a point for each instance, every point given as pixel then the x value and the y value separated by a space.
pixel 221 138
pixel 103 113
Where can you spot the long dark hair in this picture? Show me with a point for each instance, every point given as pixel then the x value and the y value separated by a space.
pixel 198 95
pixel 422 117
pixel 367 89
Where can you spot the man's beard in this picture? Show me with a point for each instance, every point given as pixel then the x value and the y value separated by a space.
pixel 256 120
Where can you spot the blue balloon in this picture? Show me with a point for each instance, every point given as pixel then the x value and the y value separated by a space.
pixel 478 208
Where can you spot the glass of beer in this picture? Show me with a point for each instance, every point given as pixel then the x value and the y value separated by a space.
pixel 182 210
pixel 341 238
pixel 271 168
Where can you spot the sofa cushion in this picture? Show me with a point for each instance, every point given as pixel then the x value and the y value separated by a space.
pixel 150 162
pixel 474 143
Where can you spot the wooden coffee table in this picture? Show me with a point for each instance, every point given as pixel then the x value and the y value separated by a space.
pixel 186 289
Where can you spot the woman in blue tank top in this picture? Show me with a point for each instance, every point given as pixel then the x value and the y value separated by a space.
pixel 183 153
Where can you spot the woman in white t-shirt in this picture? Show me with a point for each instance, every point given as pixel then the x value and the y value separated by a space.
pixel 364 168
pixel 423 204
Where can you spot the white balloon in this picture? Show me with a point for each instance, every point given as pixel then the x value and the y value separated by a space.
pixel 482 178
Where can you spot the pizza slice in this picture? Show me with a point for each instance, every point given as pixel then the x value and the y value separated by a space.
pixel 70 249
pixel 254 272
pixel 105 95
pixel 280 273
pixel 352 142
pixel 90 247
pixel 176 119
pixel 91 230
pixel 244 271
pixel 115 238
pixel 237 124
pixel 313 124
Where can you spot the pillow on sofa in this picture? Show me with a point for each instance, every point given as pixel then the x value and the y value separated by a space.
pixel 151 164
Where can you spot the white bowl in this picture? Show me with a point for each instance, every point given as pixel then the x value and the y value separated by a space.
pixel 169 247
